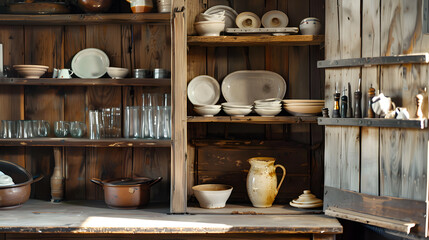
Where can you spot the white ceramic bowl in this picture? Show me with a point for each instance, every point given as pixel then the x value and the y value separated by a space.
pixel 209 28
pixel 303 110
pixel 207 112
pixel 31 72
pixel 212 195
pixel 235 105
pixel 310 26
pixel 238 112
pixel 207 106
pixel 117 72
pixel 266 112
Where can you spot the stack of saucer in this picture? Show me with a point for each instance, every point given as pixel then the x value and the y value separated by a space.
pixel 207 110
pixel 303 107
pixel 268 107
pixel 306 200
pixel 236 109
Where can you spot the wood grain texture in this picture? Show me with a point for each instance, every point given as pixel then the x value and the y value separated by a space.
pixel 179 136
pixel 370 77
pixel 75 173
pixel 332 156
pixel 154 163
pixel 13 53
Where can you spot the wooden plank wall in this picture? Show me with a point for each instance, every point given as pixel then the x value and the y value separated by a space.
pixel 378 161
pixel 130 46
pixel 297 65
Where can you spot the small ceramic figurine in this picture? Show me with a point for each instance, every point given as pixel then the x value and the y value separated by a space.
pixel 419 101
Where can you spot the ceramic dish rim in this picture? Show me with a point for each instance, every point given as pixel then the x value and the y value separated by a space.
pixel 83 51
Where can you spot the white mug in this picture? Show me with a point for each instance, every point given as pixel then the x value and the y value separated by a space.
pixel 65 73
pixel 382 105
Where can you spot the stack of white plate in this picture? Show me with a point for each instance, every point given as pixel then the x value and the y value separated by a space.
pixel 229 13
pixel 268 107
pixel 207 110
pixel 236 109
pixel 303 107
pixel 31 71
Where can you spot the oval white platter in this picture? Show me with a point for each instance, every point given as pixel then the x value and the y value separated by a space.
pixel 246 86
pixel 203 90
pixel 90 63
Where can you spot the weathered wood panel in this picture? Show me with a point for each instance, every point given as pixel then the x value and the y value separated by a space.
pixel 154 163
pixel 370 78
pixel 401 33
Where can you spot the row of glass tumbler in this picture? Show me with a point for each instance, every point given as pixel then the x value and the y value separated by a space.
pixel 40 128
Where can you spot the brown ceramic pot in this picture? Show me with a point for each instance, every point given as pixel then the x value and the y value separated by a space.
pixel 15 195
pixel 128 193
pixel 95 6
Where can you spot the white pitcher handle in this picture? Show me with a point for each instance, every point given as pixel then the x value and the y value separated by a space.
pixel 70 72
pixel 283 177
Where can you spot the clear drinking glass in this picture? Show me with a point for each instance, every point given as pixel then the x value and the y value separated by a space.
pixel 95 124
pixel 24 129
pixel 61 128
pixel 132 122
pixel 106 119
pixel 41 128
pixel 77 129
pixel 116 122
pixel 9 129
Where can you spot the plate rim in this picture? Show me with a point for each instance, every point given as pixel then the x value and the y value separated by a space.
pixel 216 90
pixel 223 87
pixel 75 57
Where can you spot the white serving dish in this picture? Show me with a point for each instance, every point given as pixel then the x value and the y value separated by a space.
pixel 268 104
pixel 246 86
pixel 304 110
pixel 207 112
pixel 203 90
pixel 31 73
pixel 212 195
pixel 302 101
pixel 275 19
pixel 248 20
pixel 310 26
pixel 209 28
pixel 230 14
pixel 117 72
pixel 238 112
pixel 265 112
pixel 90 63
pixel 31 66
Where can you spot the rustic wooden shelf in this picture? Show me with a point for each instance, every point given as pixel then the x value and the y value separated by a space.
pixel 288 40
pixel 84 142
pixel 254 119
pixel 373 122
pixel 242 209
pixel 92 217
pixel 87 82
pixel 84 19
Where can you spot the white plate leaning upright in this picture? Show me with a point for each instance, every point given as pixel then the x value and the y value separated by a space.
pixel 90 63
pixel 203 90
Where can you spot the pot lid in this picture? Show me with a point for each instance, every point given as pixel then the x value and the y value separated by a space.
pixel 127 181
pixel 306 200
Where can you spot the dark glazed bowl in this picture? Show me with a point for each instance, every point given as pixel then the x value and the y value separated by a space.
pixel 95 6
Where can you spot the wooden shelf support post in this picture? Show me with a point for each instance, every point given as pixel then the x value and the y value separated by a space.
pixel 57 179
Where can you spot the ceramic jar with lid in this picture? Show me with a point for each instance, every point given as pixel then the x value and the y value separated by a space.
pixel 310 26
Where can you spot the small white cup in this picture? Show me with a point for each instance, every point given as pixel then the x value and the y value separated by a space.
pixel 65 73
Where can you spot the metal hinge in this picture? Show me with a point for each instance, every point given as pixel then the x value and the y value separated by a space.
pixel 204 4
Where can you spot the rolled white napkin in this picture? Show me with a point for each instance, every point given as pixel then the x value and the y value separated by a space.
pixel 5 180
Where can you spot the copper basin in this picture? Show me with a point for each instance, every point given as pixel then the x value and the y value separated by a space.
pixel 13 196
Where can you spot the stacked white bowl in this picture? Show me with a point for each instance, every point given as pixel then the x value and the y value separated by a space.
pixel 303 107
pixel 268 107
pixel 210 24
pixel 236 109
pixel 207 110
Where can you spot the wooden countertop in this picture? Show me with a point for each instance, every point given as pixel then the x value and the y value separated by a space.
pixel 37 216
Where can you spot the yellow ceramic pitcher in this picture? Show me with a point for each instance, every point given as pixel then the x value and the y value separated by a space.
pixel 262 185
